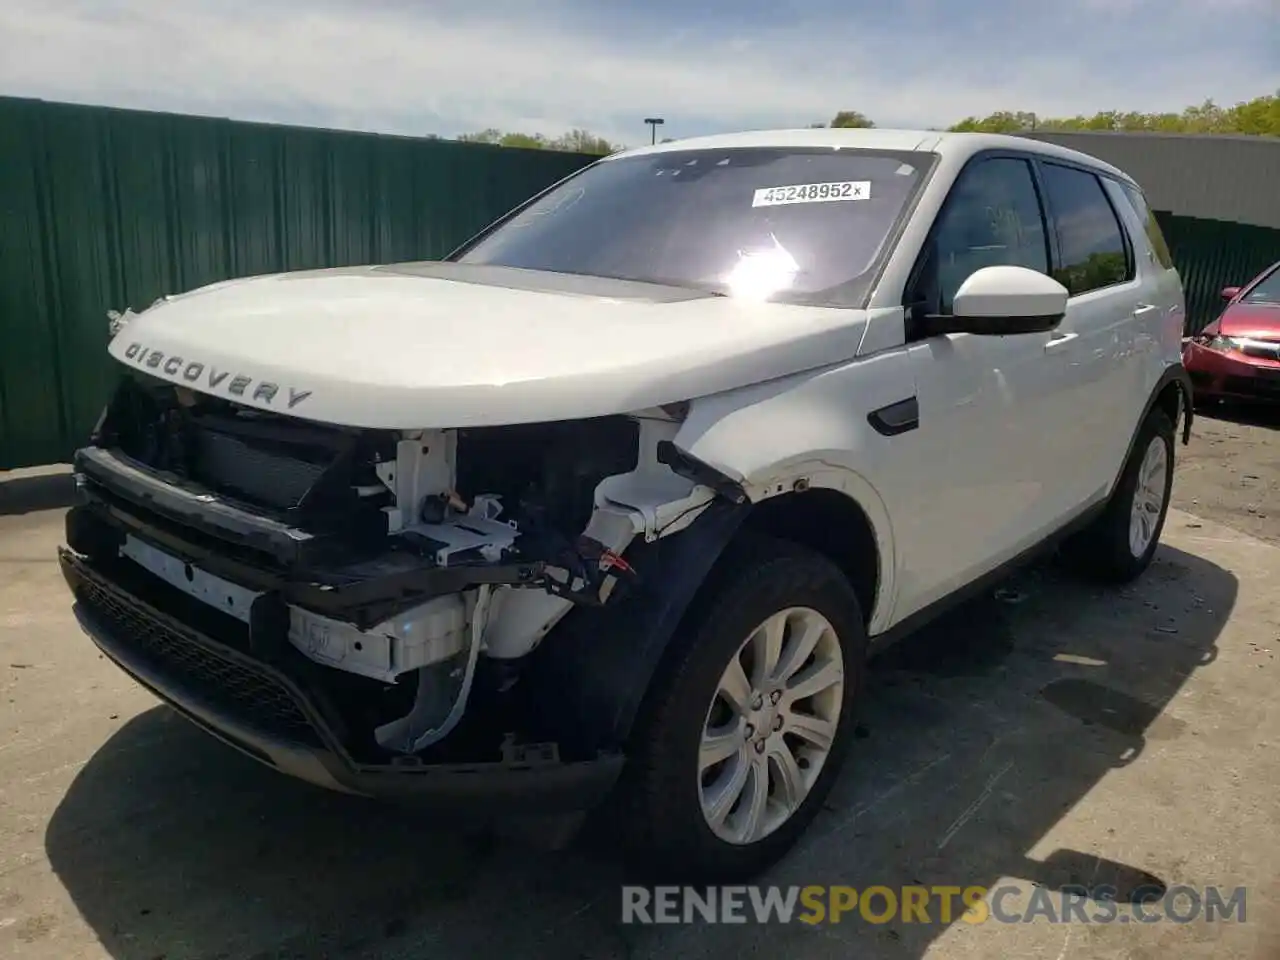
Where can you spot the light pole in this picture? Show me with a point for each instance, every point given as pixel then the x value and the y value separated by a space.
pixel 654 123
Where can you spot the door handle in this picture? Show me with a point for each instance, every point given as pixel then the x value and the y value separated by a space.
pixel 1059 342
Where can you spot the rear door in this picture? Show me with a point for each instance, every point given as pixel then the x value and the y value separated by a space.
pixel 1158 333
pixel 1095 259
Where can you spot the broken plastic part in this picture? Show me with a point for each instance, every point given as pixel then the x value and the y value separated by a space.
pixel 425 635
pixel 684 465
pixel 117 321
pixel 520 618
pixel 678 411
pixel 589 574
pixel 413 733
pixel 661 504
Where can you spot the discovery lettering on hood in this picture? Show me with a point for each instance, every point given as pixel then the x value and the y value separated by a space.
pixel 196 372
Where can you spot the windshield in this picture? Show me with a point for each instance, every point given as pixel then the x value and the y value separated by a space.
pixel 802 225
pixel 1267 289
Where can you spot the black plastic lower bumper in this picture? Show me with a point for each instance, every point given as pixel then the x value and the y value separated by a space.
pixel 260 712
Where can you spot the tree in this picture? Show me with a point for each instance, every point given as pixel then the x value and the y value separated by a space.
pixel 852 119
pixel 492 135
pixel 575 141
pixel 580 141
pixel 1098 270
pixel 1001 122
pixel 1259 117
pixel 528 141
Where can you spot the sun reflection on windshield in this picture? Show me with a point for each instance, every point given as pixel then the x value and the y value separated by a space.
pixel 760 274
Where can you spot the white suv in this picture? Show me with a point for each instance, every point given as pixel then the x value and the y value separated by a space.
pixel 616 500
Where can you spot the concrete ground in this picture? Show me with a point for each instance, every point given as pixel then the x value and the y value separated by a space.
pixel 1053 734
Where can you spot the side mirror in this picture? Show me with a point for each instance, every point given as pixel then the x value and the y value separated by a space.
pixel 1230 293
pixel 1001 301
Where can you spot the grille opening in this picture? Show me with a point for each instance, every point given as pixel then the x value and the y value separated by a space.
pixel 265 460
pixel 237 467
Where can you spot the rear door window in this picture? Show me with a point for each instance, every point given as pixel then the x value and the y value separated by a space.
pixel 1155 236
pixel 1091 242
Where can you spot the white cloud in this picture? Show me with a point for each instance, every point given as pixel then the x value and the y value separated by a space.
pixel 402 69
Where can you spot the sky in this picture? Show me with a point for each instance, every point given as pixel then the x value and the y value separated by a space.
pixel 451 66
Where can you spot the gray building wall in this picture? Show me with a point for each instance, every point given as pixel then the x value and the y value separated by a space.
pixel 1232 178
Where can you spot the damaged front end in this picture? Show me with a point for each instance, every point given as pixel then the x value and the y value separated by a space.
pixel 349 603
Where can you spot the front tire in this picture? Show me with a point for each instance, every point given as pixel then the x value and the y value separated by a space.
pixel 1118 546
pixel 748 722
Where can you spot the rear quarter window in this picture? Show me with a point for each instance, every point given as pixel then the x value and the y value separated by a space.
pixel 1154 234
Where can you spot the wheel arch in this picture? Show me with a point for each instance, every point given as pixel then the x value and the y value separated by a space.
pixel 1171 394
pixel 596 669
pixel 837 513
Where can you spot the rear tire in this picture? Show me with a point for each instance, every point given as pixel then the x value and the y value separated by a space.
pixel 682 819
pixel 1118 546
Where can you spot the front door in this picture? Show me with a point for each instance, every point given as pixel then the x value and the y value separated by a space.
pixel 986 478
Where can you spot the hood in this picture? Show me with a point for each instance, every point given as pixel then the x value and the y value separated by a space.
pixel 442 345
pixel 1258 320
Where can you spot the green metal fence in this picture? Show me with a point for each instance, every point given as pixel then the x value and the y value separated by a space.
pixel 102 209
pixel 1210 255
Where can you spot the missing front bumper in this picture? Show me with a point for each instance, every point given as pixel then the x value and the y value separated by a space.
pixel 264 710
pixel 326 570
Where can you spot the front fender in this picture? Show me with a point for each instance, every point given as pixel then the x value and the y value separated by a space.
pixel 809 430
pixel 822 429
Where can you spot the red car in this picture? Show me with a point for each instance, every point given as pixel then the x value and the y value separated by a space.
pixel 1238 355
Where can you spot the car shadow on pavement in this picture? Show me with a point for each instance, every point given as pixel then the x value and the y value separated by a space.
pixel 28 494
pixel 1259 414
pixel 978 735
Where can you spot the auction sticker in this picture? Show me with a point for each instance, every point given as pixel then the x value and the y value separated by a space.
pixel 812 193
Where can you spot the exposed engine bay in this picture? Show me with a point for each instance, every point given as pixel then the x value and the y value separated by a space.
pixel 402 565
